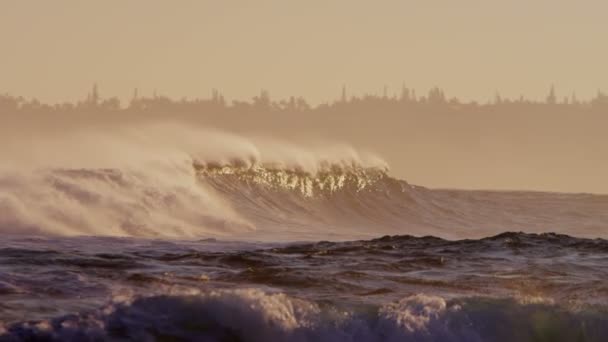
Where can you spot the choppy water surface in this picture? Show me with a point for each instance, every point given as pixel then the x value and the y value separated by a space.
pixel 512 286
pixel 243 250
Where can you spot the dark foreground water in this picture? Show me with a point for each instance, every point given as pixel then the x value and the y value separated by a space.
pixel 510 287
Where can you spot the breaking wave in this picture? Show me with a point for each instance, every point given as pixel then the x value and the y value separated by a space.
pixel 180 182
pixel 254 315
pixel 268 276
pixel 328 179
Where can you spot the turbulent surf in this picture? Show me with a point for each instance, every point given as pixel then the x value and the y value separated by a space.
pixel 162 239
pixel 510 287
pixel 270 203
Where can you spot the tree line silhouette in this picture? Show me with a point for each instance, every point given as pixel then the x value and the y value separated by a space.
pixel 406 100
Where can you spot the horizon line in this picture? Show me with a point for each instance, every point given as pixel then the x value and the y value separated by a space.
pixel 435 95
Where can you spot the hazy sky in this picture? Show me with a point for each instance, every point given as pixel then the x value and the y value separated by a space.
pixel 55 50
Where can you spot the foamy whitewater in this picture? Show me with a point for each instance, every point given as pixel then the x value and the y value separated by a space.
pixel 166 232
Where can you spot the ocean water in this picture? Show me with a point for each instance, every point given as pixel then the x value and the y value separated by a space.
pixel 510 287
pixel 244 250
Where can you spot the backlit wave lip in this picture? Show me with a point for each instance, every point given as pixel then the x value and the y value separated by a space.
pixel 164 180
pixel 328 178
pixel 269 201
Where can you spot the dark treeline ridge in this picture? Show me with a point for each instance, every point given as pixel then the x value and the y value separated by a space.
pixel 407 100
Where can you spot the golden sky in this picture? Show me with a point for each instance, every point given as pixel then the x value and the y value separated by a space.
pixel 55 50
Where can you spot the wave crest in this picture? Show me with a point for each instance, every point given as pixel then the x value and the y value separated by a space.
pixel 327 179
pixel 166 180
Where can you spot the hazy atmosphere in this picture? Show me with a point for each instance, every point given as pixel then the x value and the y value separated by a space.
pixel 471 48
pixel 332 171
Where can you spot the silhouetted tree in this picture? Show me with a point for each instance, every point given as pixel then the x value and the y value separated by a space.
pixel 497 99
pixel 436 96
pixel 435 102
pixel 263 100
pixel 405 94
pixel 600 100
pixel 551 98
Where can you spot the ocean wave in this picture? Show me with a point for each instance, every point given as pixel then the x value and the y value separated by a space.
pixel 255 315
pixel 328 178
pixel 178 182
pixel 262 201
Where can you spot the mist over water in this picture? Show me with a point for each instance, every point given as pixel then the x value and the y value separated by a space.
pixel 157 230
pixel 141 181
pixel 171 180
pixel 253 171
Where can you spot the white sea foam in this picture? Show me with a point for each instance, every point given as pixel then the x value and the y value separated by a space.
pixel 135 181
pixel 254 315
pixel 171 180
